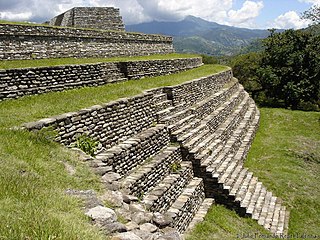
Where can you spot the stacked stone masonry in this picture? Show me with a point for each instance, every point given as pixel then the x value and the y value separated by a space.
pixel 15 83
pixel 106 18
pixel 36 42
pixel 212 122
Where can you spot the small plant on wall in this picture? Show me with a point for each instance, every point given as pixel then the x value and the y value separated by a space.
pixel 87 144
pixel 175 167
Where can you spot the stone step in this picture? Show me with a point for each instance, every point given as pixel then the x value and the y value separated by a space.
pixel 254 198
pixel 164 113
pixel 187 204
pixel 275 217
pixel 162 196
pixel 125 156
pixel 153 170
pixel 197 139
pixel 160 97
pixel 232 126
pixel 282 227
pixel 233 147
pixel 219 115
pixel 201 213
pixel 244 174
pixel 176 116
pixel 208 105
pixel 193 133
pixel 267 213
pixel 159 106
pixel 184 125
pixel 245 193
pixel 257 207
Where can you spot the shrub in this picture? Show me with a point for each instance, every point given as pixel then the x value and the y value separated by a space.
pixel 87 144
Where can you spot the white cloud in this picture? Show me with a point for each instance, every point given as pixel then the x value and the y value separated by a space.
pixel 314 2
pixel 137 11
pixel 245 16
pixel 290 19
pixel 15 16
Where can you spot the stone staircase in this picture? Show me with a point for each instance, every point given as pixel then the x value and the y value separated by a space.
pixel 215 134
pixel 112 72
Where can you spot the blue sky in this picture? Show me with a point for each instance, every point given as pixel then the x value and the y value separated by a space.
pixel 240 13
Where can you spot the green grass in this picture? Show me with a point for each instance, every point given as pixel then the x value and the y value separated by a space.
pixel 33 176
pixel 221 223
pixel 285 155
pixel 8 64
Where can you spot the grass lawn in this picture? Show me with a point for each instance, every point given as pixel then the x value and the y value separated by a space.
pixel 285 155
pixel 33 176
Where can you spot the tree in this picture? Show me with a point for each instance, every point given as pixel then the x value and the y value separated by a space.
pixel 245 68
pixel 312 14
pixel 289 71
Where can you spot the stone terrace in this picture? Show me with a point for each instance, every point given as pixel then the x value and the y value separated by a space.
pixel 178 149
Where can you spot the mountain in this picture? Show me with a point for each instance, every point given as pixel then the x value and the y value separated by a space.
pixel 196 35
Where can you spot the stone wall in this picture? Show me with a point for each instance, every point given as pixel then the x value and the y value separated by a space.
pixel 108 123
pixel 139 69
pixel 36 42
pixel 196 90
pixel 107 18
pixel 15 83
pixel 116 121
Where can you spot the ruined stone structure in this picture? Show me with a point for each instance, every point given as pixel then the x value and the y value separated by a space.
pixel 204 126
pixel 106 18
pixel 176 149
pixel 16 83
pixel 35 42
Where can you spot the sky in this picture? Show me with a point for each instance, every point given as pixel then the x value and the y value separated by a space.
pixel 255 14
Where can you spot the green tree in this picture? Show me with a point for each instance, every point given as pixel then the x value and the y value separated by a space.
pixel 245 68
pixel 289 69
pixel 312 14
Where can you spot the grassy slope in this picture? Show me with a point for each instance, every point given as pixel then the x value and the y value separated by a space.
pixel 33 177
pixel 8 64
pixel 285 155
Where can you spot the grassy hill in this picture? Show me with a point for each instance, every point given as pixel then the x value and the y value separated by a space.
pixel 33 176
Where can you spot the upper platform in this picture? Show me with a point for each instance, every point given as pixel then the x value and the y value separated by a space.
pixel 105 18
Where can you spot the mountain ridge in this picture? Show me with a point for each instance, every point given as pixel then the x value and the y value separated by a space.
pixel 196 35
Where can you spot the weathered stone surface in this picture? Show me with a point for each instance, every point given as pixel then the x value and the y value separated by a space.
pixel 110 177
pixel 131 226
pixel 67 77
pixel 170 234
pixel 89 196
pixel 161 220
pixel 148 227
pixel 135 207
pixel 141 217
pixel 113 197
pixel 102 214
pixel 49 42
pixel 125 213
pixel 106 18
pixel 114 227
pixel 129 198
pixel 126 236
pixel 143 235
